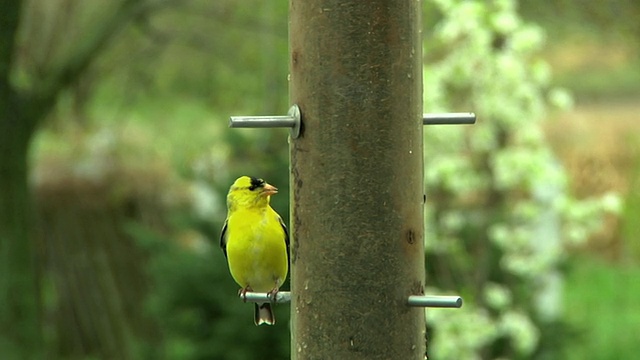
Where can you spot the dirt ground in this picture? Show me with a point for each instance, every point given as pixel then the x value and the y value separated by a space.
pixel 599 143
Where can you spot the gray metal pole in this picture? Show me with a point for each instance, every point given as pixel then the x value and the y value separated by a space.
pixel 356 180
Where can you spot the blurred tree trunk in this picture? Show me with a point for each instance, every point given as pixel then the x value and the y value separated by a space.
pixel 19 326
pixel 20 335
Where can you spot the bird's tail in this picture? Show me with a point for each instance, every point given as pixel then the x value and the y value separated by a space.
pixel 263 314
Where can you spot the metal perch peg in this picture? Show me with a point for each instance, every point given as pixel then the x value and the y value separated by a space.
pixel 291 120
pixel 280 297
pixel 435 301
pixel 449 119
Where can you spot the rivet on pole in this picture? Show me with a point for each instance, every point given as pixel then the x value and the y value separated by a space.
pixel 435 301
pixel 449 119
pixel 291 120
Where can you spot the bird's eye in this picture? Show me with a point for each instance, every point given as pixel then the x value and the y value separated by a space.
pixel 256 183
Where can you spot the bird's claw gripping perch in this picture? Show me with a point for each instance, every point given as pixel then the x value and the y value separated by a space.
pixel 272 294
pixel 243 292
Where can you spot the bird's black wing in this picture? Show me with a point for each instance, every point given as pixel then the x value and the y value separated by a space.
pixel 223 238
pixel 286 235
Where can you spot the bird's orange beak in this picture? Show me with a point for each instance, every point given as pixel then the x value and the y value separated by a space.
pixel 269 190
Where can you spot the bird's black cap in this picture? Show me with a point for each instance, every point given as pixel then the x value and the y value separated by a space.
pixel 256 183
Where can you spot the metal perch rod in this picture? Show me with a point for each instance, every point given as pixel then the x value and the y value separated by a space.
pixel 433 301
pixel 261 121
pixel 449 119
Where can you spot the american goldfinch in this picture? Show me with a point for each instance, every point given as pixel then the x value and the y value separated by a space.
pixel 255 242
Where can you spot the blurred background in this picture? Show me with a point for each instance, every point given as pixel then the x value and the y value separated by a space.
pixel 116 159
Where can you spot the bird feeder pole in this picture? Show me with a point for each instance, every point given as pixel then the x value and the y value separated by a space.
pixel 356 181
pixel 357 250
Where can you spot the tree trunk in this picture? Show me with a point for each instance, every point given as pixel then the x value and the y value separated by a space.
pixel 20 334
pixel 357 180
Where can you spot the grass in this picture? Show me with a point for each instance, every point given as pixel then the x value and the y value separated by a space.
pixel 601 300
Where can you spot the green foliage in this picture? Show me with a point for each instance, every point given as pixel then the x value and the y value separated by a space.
pixel 194 303
pixel 499 213
pixel 604 18
pixel 232 57
pixel 598 44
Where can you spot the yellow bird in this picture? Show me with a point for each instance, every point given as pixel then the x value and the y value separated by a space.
pixel 255 242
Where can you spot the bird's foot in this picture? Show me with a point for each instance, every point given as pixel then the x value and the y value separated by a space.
pixel 272 294
pixel 243 292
